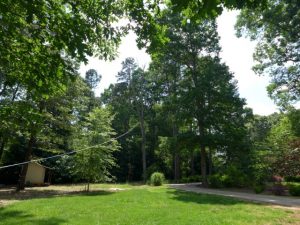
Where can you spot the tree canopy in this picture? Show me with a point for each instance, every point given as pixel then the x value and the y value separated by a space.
pixel 181 116
pixel 276 29
pixel 42 41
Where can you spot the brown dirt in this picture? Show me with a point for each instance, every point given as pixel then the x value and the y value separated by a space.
pixel 8 195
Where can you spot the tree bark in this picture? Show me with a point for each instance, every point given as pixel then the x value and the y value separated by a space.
pixel 89 171
pixel 176 166
pixel 15 93
pixel 210 162
pixel 143 144
pixel 202 154
pixel 192 163
pixel 203 165
pixel 2 145
pixel 176 157
pixel 22 176
pixel 88 186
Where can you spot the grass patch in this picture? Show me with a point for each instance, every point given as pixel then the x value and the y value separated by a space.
pixel 141 205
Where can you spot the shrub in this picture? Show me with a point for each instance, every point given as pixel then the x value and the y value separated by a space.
pixel 185 180
pixel 190 179
pixel 215 181
pixel 292 179
pixel 276 179
pixel 227 180
pixel 157 179
pixel 195 178
pixel 294 189
pixel 278 189
pixel 152 169
pixel 234 177
pixel 259 188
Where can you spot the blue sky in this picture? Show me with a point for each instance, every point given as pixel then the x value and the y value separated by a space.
pixel 236 53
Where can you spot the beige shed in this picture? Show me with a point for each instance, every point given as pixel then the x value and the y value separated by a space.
pixel 36 174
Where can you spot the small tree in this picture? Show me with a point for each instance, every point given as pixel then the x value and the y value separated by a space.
pixel 92 78
pixel 93 163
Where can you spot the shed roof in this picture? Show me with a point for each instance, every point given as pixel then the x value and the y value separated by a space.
pixel 42 165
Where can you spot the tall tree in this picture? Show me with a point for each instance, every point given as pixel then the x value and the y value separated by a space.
pixel 134 79
pixel 211 97
pixel 276 29
pixel 138 93
pixel 200 88
pixel 187 40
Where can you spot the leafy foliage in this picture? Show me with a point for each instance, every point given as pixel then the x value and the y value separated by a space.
pixel 92 78
pixel 294 189
pixel 157 179
pixel 277 52
pixel 259 188
pixel 191 118
pixel 51 36
pixel 96 146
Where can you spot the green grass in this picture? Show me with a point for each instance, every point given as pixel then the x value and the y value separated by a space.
pixel 142 205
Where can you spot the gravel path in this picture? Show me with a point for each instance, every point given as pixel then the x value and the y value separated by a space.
pixel 276 200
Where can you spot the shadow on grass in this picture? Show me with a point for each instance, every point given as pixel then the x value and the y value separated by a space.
pixel 33 194
pixel 17 217
pixel 199 198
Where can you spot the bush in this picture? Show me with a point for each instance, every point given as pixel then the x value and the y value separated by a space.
pixel 259 188
pixel 292 179
pixel 234 177
pixel 294 189
pixel 278 189
pixel 195 178
pixel 276 179
pixel 157 179
pixel 227 180
pixel 215 181
pixel 191 179
pixel 185 180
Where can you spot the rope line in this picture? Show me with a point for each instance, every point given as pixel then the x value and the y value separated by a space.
pixel 69 153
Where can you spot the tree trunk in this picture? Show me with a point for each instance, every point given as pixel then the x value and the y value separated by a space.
pixel 2 145
pixel 192 163
pixel 176 157
pixel 88 186
pixel 22 176
pixel 155 136
pixel 130 172
pixel 89 171
pixel 202 153
pixel 15 93
pixel 143 147
pixel 203 165
pixel 3 89
pixel 176 166
pixel 210 162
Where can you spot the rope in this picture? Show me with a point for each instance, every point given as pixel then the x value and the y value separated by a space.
pixel 69 153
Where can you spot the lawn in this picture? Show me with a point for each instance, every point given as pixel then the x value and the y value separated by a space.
pixel 138 205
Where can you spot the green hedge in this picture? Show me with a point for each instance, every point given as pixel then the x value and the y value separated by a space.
pixel 259 188
pixel 191 179
pixel 232 177
pixel 294 189
pixel 292 179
